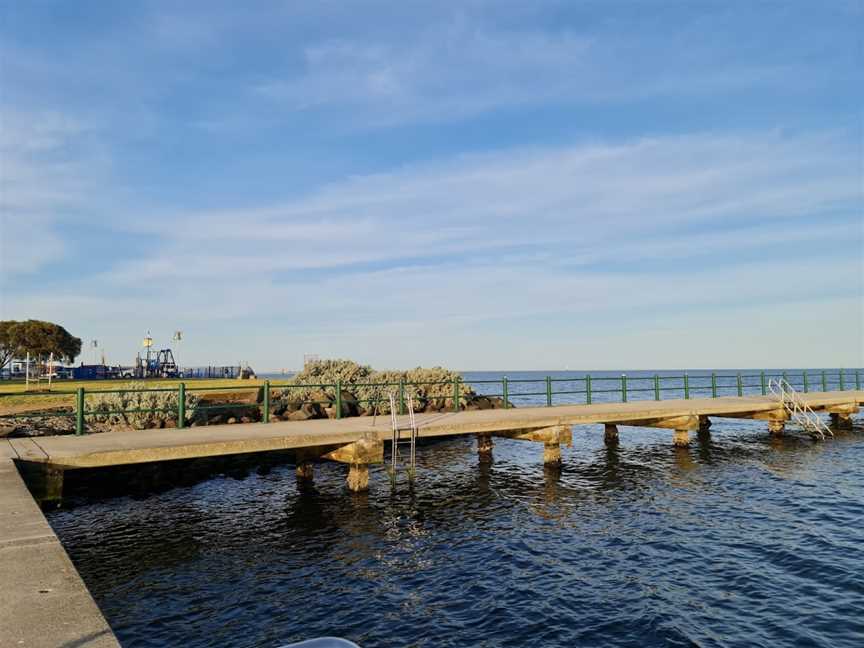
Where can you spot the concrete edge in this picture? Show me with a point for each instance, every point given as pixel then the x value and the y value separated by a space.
pixel 44 603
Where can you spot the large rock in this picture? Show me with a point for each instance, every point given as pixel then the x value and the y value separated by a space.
pixel 308 411
pixel 482 403
pixel 350 406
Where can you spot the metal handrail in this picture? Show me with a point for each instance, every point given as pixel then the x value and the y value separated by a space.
pixel 588 389
pixel 798 410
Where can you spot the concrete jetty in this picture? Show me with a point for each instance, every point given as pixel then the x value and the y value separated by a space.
pixel 359 441
pixel 43 601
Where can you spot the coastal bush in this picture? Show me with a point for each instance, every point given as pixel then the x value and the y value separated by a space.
pixel 429 388
pixel 138 409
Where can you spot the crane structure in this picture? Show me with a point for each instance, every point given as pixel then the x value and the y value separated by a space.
pixel 155 364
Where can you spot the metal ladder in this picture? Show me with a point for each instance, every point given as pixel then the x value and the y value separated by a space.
pixel 798 410
pixel 397 439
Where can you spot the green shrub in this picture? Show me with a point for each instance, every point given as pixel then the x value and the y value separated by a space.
pixel 114 408
pixel 426 386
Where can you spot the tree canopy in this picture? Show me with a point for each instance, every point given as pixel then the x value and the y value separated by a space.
pixel 39 339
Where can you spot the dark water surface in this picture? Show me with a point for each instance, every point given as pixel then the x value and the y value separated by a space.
pixel 737 541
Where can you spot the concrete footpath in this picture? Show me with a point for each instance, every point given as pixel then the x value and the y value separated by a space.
pixel 43 601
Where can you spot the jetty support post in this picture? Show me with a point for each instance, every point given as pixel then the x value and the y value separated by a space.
pixel 777 427
pixel 484 446
pixel 358 455
pixel 305 467
pixel 776 419
pixel 610 433
pixel 682 426
pixel 551 438
pixel 841 415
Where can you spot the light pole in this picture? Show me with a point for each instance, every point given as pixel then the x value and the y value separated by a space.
pixel 178 336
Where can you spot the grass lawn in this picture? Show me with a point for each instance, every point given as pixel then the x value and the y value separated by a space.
pixel 15 398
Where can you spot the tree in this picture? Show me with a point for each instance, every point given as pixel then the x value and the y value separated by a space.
pixel 39 339
pixel 10 341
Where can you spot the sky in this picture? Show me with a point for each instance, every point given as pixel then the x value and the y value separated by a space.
pixel 479 185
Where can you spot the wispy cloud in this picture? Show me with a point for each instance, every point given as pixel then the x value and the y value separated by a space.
pixel 45 178
pixel 583 198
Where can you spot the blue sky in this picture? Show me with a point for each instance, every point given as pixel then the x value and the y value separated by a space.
pixel 599 185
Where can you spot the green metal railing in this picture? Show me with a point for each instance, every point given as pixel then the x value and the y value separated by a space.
pixel 585 389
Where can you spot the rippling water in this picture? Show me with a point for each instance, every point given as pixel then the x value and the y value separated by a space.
pixel 739 540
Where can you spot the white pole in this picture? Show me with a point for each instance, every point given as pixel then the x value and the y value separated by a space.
pixel 27 373
pixel 50 369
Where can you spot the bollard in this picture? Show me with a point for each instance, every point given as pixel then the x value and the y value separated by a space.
pixel 548 391
pixel 181 405
pixel 338 399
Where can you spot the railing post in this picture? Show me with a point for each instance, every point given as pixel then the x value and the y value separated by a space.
pixel 857 379
pixel 456 394
pixel 265 415
pixel 505 392
pixel 402 396
pixel 783 375
pixel 656 387
pixel 762 382
pixel 806 382
pixel 824 382
pixel 79 411
pixel 686 387
pixel 588 389
pixel 713 385
pixel 338 398
pixel 181 405
pixel 740 385
pixel 548 391
pixel 623 388
pixel 842 382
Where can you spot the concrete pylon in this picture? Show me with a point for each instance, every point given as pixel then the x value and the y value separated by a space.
pixel 841 420
pixel 484 446
pixel 777 427
pixel 358 456
pixel 681 438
